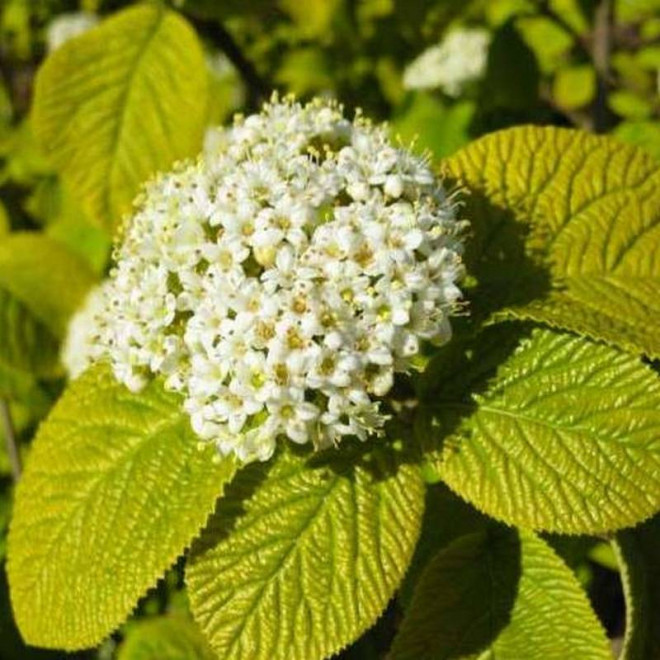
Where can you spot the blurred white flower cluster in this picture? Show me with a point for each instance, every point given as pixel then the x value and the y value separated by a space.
pixel 281 281
pixel 458 60
pixel 67 26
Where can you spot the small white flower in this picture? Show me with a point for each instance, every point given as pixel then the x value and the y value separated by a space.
pixel 459 59
pixel 281 282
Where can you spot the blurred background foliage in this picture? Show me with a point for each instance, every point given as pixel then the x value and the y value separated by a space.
pixel 441 72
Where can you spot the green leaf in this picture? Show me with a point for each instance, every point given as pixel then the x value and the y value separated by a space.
pixel 575 86
pixel 313 17
pixel 432 125
pixel 121 102
pixel 549 41
pixel 446 518
pixel 630 105
pixel 5 224
pixel 165 638
pixel 566 230
pixel 301 558
pixel 114 490
pixel 639 562
pixel 28 351
pixel 45 276
pixel 508 52
pixel 564 437
pixel 503 595
pixel 644 134
pixel 41 285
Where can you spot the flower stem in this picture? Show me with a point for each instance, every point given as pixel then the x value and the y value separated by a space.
pixel 10 439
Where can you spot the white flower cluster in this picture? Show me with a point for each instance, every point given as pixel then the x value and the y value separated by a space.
pixel 67 26
pixel 281 281
pixel 458 60
pixel 82 336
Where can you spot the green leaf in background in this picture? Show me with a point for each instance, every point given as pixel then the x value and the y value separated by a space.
pixel 499 595
pixel 114 490
pixel 637 551
pixel 508 53
pixel 644 134
pixel 4 220
pixel 564 438
pixel 28 351
pixel 313 17
pixel 577 210
pixel 630 105
pixel 302 557
pixel 170 637
pixel 575 86
pixel 45 276
pixel 121 102
pixel 438 127
pixel 549 41
pixel 305 71
pixel 41 286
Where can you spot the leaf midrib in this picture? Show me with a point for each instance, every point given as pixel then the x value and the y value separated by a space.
pixel 124 102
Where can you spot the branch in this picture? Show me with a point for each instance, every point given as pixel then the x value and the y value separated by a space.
pixel 602 37
pixel 258 89
pixel 10 440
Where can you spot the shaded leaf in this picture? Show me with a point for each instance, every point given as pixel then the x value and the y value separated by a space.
pixel 500 595
pixel 165 638
pixel 639 563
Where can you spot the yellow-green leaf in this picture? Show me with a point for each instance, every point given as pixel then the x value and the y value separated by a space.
pixel 45 276
pixel 500 595
pixel 114 490
pixel 574 86
pixel 121 102
pixel 567 231
pixel 41 285
pixel 564 436
pixel 301 558
pixel 170 637
pixel 28 351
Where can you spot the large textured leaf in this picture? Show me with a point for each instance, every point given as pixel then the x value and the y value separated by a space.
pixel 638 553
pixel 171 637
pixel 565 437
pixel 121 102
pixel 302 558
pixel 501 596
pixel 114 490
pixel 567 231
